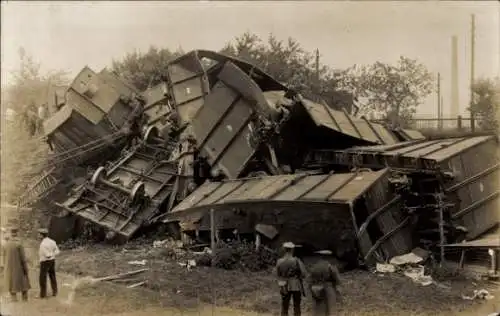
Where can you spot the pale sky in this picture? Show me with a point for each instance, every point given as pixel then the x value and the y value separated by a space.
pixel 70 35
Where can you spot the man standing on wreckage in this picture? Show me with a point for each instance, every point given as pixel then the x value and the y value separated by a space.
pixel 291 273
pixel 324 279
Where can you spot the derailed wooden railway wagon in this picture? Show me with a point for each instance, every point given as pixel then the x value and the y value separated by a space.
pixel 239 119
pixel 237 109
pixel 74 139
pixel 103 98
pixel 191 77
pixel 341 212
pixel 467 168
pixel 250 122
pixel 225 128
pixel 157 103
pixel 126 193
pixel 92 125
pixel 96 110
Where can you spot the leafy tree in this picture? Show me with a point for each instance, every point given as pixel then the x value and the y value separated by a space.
pixel 289 63
pixel 145 70
pixel 21 152
pixel 392 91
pixel 29 89
pixel 486 102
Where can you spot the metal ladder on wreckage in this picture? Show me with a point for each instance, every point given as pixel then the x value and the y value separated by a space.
pixel 42 185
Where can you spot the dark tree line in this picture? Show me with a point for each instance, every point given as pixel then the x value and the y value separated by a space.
pixel 391 91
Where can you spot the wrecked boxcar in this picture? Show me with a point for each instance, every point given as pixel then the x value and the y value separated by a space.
pixel 99 115
pixel 249 122
pixel 464 170
pixel 321 211
pixel 220 133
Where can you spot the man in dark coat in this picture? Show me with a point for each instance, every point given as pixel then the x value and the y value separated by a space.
pixel 290 272
pixel 16 268
pixel 324 279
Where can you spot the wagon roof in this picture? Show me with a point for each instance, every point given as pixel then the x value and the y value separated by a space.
pixel 342 188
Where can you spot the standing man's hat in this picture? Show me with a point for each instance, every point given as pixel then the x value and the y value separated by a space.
pixel 288 245
pixel 43 231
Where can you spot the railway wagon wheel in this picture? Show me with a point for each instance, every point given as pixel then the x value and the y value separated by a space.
pixel 151 134
pixel 98 175
pixel 138 192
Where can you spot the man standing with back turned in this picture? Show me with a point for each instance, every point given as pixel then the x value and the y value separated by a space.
pixel 16 267
pixel 324 280
pixel 48 252
pixel 290 272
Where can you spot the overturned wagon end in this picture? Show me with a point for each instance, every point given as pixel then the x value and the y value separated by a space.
pixel 341 212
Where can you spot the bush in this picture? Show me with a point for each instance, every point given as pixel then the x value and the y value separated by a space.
pixel 239 255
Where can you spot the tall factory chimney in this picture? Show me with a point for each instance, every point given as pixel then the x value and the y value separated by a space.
pixel 454 102
pixel 439 102
pixel 472 55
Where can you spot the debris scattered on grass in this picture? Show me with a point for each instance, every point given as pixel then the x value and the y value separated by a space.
pixel 168 243
pixel 418 276
pixel 385 268
pixel 408 265
pixel 206 250
pixel 138 263
pixel 136 285
pixel 416 256
pixel 80 283
pixel 120 275
pixel 256 291
pixel 479 295
pixel 189 264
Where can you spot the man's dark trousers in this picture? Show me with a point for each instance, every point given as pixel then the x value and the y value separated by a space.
pixel 296 296
pixel 48 268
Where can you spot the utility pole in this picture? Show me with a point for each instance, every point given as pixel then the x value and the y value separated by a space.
pixel 454 78
pixel 212 246
pixel 317 66
pixel 440 105
pixel 317 88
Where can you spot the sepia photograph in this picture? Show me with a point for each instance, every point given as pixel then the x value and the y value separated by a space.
pixel 250 158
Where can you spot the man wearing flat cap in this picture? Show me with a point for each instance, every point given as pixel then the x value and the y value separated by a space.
pixel 291 272
pixel 47 253
pixel 16 267
pixel 324 279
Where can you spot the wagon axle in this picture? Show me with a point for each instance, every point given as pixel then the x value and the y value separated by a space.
pixel 137 192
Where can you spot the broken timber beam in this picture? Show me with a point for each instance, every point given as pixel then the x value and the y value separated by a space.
pixel 120 275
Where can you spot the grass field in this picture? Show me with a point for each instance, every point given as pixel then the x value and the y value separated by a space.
pixel 365 293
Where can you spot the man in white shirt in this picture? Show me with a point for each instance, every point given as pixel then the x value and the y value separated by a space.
pixel 48 252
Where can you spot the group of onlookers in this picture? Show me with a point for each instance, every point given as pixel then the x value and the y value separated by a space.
pixel 15 264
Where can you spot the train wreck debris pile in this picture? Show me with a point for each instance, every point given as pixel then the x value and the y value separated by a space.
pixel 220 134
